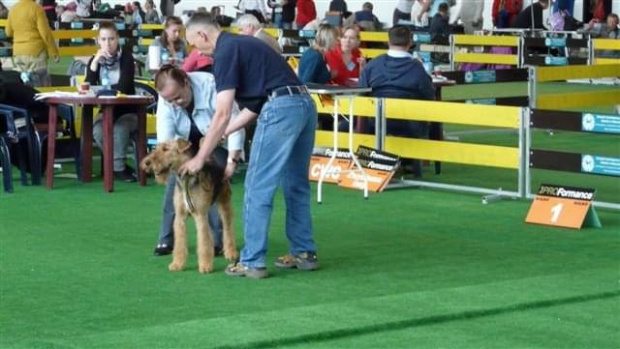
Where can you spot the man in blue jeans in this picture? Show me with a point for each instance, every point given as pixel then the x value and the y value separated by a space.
pixel 262 83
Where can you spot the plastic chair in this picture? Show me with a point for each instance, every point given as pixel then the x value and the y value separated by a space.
pixel 7 126
pixel 24 131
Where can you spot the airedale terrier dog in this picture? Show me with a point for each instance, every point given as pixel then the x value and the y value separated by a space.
pixel 193 195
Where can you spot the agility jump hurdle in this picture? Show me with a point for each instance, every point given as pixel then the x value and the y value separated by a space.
pixel 572 100
pixel 575 162
pixel 605 45
pixel 458 41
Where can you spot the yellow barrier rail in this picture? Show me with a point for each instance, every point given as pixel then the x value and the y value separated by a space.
pixel 372 52
pixel 77 50
pixel 463 153
pixel 488 58
pixel 74 34
pixel 480 40
pixel 326 139
pixel 544 74
pixel 563 101
pixel 363 106
pixel 453 113
pixel 374 36
pixel 606 44
pixel 607 61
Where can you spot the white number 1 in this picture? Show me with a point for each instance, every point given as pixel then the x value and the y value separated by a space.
pixel 556 210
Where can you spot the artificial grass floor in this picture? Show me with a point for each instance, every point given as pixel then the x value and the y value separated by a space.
pixel 407 268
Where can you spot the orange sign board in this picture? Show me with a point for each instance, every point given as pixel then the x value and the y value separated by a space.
pixel 563 207
pixel 377 179
pixel 333 175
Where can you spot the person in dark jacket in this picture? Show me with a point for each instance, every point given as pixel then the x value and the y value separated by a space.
pixel 440 25
pixel 338 6
pixel 312 65
pixel 524 18
pixel 398 75
pixel 113 68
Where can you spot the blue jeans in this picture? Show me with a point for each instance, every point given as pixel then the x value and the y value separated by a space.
pixel 166 235
pixel 280 155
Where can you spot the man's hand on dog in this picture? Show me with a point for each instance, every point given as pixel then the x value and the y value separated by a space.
pixel 192 166
pixel 230 170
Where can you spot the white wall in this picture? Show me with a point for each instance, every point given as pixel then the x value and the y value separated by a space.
pixel 383 9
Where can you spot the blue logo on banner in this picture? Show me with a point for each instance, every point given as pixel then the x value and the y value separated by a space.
pixel 77 25
pixel 307 33
pixel 556 60
pixel 600 123
pixel 604 165
pixel 423 38
pixel 555 42
pixel 480 76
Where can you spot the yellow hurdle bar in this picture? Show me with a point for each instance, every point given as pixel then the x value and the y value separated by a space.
pixel 374 36
pixel 462 153
pixel 577 72
pixel 606 44
pixel 3 23
pixel 77 50
pixel 563 101
pixel 372 52
pixel 453 113
pixel 488 58
pixel 70 34
pixel 480 40
pixel 151 26
pixel 362 106
pixel 326 139
pixel 607 61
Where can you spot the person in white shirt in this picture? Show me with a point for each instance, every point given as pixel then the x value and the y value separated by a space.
pixel 419 14
pixel 254 7
pixel 470 14
pixel 402 11
pixel 185 109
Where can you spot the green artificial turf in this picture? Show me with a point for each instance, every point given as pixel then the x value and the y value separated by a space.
pixel 411 268
pixel 406 268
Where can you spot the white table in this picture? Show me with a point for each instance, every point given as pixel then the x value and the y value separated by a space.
pixel 338 93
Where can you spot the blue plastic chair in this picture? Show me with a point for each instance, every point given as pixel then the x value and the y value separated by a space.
pixel 25 132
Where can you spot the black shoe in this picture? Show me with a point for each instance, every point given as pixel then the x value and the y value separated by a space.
pixel 127 175
pixel 163 250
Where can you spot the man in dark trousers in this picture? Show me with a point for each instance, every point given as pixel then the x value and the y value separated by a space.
pixel 264 86
pixel 524 19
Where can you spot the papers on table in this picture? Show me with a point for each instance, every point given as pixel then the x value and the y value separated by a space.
pixel 45 95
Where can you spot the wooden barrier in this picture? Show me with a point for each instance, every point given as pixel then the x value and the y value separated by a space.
pixel 458 41
pixel 605 45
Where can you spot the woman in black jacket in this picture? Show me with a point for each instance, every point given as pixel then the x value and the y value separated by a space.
pixel 113 68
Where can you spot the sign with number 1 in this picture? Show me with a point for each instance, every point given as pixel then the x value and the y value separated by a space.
pixel 563 206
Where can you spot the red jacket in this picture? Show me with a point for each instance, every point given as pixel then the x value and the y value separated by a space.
pixel 336 64
pixel 512 7
pixel 306 12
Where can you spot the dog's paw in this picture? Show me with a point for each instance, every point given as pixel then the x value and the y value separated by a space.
pixel 176 266
pixel 231 255
pixel 205 268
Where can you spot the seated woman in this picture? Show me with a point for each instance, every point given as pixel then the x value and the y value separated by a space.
pixel 114 68
pixel 312 65
pixel 345 60
pixel 184 110
pixel 171 44
pixel 196 61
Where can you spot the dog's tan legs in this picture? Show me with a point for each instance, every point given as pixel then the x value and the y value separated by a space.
pixel 224 208
pixel 205 243
pixel 179 253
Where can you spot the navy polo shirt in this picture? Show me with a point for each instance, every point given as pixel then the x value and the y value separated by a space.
pixel 249 66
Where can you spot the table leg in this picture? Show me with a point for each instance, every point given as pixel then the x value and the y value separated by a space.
pixel 51 144
pixel 108 148
pixel 87 143
pixel 141 143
